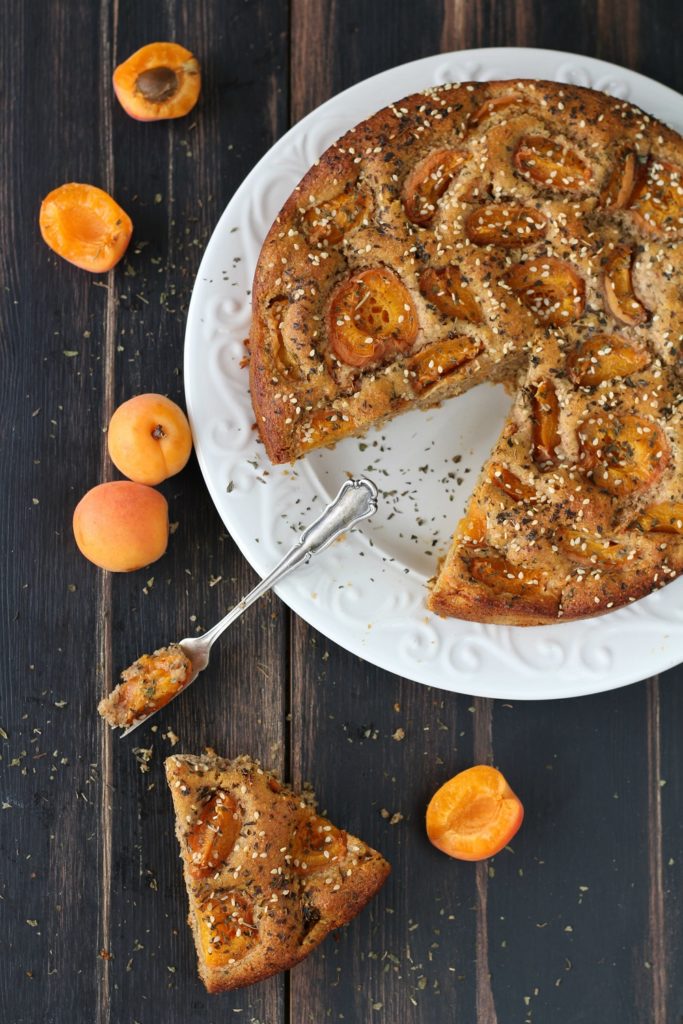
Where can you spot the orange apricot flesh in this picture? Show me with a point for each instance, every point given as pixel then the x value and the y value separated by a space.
pixel 85 226
pixel 213 836
pixel 149 438
pixel 158 82
pixel 121 526
pixel 226 928
pixel 474 815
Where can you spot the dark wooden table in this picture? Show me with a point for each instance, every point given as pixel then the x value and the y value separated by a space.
pixel 582 923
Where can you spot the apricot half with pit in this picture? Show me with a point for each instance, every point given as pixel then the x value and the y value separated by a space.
pixel 158 82
pixel 121 526
pixel 149 438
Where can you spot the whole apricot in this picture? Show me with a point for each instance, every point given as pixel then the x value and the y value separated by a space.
pixel 149 438
pixel 121 526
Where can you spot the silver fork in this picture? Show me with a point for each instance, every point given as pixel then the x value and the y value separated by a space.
pixel 356 500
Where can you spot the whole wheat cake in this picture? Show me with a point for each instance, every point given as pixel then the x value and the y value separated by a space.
pixel 521 231
pixel 267 877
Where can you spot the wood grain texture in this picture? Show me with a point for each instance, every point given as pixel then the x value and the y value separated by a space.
pixel 580 920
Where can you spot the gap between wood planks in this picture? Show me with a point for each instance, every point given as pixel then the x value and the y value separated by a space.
pixel 108 37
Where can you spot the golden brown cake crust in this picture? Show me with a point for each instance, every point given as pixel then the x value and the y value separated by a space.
pixel 524 231
pixel 291 904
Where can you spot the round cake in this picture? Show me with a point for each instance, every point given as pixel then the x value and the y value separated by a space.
pixel 522 232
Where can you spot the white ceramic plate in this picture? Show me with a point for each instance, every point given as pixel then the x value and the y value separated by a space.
pixel 367 593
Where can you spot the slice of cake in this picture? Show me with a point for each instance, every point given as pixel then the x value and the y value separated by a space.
pixel 267 877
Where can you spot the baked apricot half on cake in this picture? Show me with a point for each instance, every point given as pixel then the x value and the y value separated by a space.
pixel 620 298
pixel 371 315
pixel 550 164
pixel 147 685
pixel 428 181
pixel 121 526
pixel 551 288
pixel 158 82
pixel 149 438
pixel 474 815
pixel 85 226
pixel 605 357
pixel 657 199
pixel 623 454
pixel 449 291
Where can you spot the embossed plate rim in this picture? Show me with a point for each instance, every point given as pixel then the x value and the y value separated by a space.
pixel 387 623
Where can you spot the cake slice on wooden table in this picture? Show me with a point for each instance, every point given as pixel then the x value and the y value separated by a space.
pixel 267 877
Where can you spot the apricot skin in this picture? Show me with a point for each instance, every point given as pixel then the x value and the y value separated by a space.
pixel 149 438
pixel 121 526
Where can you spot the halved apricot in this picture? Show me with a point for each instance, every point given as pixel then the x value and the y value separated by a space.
pixel 550 164
pixel 625 454
pixel 666 517
pixel 428 181
pixel 85 226
pixel 371 314
pixel 474 815
pixel 550 288
pixel 439 360
pixel 605 357
pixel 448 290
pixel 617 284
pixel 158 82
pixel 505 224
pixel 328 222
pixel 493 106
pixel 593 549
pixel 657 200
pixel 509 483
pixel 225 924
pixel 213 835
pixel 619 187
pixel 545 417
pixel 317 844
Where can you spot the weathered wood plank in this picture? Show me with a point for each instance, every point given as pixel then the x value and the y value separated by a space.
pixel 49 445
pixel 176 178
pixel 376 747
